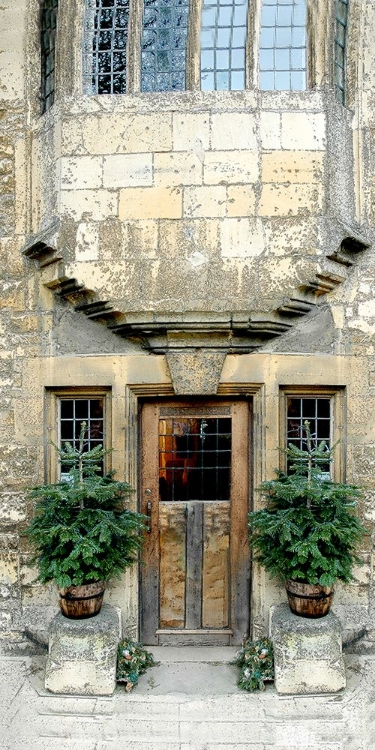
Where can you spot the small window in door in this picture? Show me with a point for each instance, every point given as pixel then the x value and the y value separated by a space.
pixel 194 458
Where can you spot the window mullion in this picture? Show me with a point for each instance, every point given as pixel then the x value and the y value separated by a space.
pixel 252 44
pixel 134 46
pixel 193 50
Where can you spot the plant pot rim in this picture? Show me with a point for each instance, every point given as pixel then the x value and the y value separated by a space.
pixel 95 586
pixel 295 583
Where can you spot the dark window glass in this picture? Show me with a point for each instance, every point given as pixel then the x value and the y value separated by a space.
pixel 74 411
pixel 194 459
pixel 164 37
pixel 48 42
pixel 342 7
pixel 317 411
pixel 282 54
pixel 223 44
pixel 109 38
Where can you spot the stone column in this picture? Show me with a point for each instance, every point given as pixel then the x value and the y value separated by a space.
pixel 82 654
pixel 308 653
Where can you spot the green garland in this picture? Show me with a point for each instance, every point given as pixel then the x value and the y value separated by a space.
pixel 255 661
pixel 132 660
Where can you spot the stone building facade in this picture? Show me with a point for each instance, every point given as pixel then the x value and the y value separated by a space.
pixel 186 239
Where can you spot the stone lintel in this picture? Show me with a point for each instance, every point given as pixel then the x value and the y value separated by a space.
pixel 195 372
pixel 82 654
pixel 308 653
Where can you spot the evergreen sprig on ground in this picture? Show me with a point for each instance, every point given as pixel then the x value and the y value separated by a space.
pixel 255 662
pixel 132 660
pixel 308 530
pixel 82 530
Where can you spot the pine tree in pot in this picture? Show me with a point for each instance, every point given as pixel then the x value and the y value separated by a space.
pixel 308 532
pixel 82 532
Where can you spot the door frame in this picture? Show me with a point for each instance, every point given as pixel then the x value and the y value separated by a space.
pixel 240 588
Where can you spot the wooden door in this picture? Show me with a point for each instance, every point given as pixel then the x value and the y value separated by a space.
pixel 195 568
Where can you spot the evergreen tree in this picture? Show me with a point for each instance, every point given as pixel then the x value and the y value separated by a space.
pixel 308 530
pixel 82 530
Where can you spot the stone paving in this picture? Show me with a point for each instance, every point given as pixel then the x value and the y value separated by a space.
pixel 189 702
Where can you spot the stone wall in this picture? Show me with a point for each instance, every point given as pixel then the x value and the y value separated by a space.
pixel 189 206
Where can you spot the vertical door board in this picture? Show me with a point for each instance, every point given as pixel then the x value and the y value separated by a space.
pixel 194 559
pixel 150 507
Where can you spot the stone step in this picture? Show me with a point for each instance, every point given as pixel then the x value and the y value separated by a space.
pixel 185 716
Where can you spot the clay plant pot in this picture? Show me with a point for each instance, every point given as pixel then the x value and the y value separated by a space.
pixel 82 601
pixel 309 600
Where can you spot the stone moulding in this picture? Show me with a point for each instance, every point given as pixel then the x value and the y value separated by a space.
pixel 229 332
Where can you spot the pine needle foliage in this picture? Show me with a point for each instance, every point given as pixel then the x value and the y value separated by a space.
pixel 256 665
pixel 132 660
pixel 308 530
pixel 82 530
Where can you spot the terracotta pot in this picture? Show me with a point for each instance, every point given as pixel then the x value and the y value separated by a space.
pixel 308 599
pixel 82 601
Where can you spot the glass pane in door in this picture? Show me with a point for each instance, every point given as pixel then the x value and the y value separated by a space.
pixel 194 459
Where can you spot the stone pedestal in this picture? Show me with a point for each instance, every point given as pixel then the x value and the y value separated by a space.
pixel 308 653
pixel 82 654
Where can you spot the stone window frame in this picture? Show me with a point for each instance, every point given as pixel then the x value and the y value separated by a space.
pixel 53 396
pixel 338 422
pixel 70 40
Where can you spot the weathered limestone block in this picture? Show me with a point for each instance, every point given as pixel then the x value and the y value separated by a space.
pixel 195 371
pixel 82 654
pixel 308 653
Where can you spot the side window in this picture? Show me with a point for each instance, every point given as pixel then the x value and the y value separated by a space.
pixel 342 7
pixel 317 411
pixel 48 44
pixel 72 413
pixel 324 409
pixel 282 54
pixel 66 410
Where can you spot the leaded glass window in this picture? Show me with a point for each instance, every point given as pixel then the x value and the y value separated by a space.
pixel 342 7
pixel 164 38
pixel 195 459
pixel 223 44
pixel 72 413
pixel 216 34
pixel 107 22
pixel 282 56
pixel 48 44
pixel 315 411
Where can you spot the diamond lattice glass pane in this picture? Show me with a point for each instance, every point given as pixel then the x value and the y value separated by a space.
pixel 283 30
pixel 165 25
pixel 106 26
pixel 223 44
pixel 47 41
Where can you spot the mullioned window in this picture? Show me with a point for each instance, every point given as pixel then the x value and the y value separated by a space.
pixel 176 45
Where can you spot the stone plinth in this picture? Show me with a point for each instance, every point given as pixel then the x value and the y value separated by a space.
pixel 308 653
pixel 82 654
